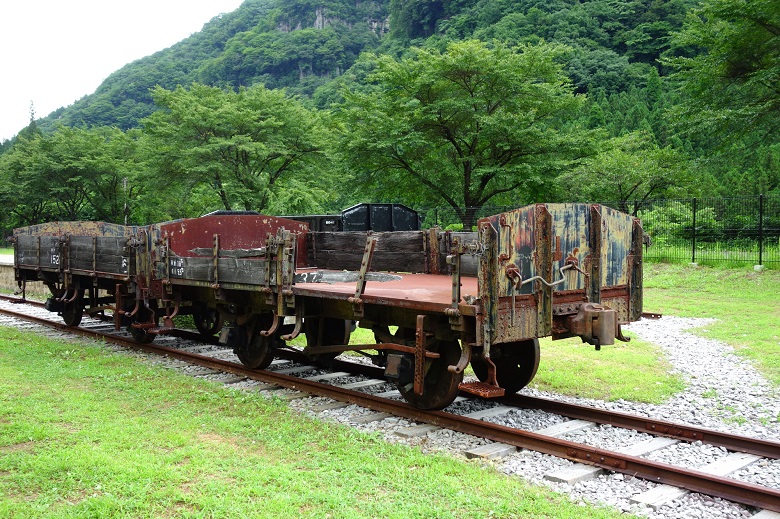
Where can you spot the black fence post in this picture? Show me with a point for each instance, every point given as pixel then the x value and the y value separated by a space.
pixel 693 237
pixel 761 229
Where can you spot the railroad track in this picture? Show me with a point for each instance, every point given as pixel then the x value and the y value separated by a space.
pixel 672 480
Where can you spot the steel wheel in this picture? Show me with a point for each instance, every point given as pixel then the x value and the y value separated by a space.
pixel 334 331
pixel 440 386
pixel 516 364
pixel 208 321
pixel 72 312
pixel 257 352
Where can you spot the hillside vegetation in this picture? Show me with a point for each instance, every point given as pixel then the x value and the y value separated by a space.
pixel 311 105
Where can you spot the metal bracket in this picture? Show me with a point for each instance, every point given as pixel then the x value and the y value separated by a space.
pixel 273 328
pixel 463 361
pixel 167 256
pixel 453 312
pixel 421 344
pixel 215 264
pixel 168 319
pixel 118 306
pixel 360 287
pixel 488 283
pixel 281 249
pixel 298 324
pixel 288 270
pixel 270 251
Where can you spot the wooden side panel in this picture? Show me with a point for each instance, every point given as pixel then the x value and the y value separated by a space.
pixel 231 270
pixel 617 243
pixel 99 254
pixel 38 251
pixel 88 246
pixel 395 251
pixel 194 237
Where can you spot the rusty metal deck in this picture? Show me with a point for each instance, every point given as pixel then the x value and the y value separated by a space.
pixel 428 292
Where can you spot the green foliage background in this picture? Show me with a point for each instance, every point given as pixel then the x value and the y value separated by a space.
pixel 673 98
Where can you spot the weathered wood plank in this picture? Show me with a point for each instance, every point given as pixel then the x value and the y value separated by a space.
pixel 399 241
pixel 230 270
pixel 103 254
pixel 382 261
pixel 27 251
pixel 230 253
pixel 394 252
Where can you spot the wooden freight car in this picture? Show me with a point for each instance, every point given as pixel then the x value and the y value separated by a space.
pixel 435 301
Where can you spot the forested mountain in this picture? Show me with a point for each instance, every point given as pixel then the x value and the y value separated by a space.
pixel 288 106
pixel 295 44
pixel 301 45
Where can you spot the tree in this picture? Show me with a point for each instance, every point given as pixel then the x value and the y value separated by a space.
pixel 731 78
pixel 412 19
pixel 72 174
pixel 463 127
pixel 629 171
pixel 240 144
pixel 23 188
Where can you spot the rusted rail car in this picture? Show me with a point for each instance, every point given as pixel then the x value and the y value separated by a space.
pixel 435 301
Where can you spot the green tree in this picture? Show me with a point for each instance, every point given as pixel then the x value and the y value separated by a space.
pixel 412 19
pixel 87 169
pixel 629 171
pixel 72 174
pixel 23 187
pixel 731 81
pixel 465 127
pixel 242 144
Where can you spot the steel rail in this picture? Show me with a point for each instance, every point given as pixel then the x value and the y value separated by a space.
pixel 696 481
pixel 763 448
pixel 648 425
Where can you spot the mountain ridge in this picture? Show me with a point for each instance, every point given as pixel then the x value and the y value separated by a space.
pixel 302 45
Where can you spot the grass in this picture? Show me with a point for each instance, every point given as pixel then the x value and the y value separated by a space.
pixel 32 290
pixel 634 371
pixel 88 433
pixel 744 302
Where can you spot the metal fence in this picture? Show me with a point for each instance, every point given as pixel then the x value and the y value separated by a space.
pixel 740 230
pixel 729 231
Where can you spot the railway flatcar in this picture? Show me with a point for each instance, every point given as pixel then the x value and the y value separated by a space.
pixel 435 301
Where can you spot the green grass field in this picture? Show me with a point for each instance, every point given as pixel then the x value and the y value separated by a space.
pixel 744 302
pixel 88 433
